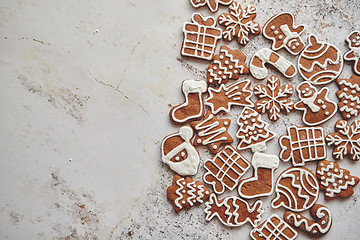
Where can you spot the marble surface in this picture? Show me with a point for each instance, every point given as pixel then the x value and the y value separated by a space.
pixel 85 91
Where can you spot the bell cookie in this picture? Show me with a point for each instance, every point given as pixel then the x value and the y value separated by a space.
pixel 212 4
pixel 274 228
pixel 178 152
pixel 320 62
pixel 353 54
pixel 185 193
pixel 349 96
pixel 283 33
pixel 193 107
pixel 236 94
pixel 297 189
pixel 261 184
pixel 200 37
pixel 336 181
pixel 225 169
pixel 346 140
pixel 316 106
pixel 273 98
pixel 233 211
pixel 253 131
pixel 227 65
pixel 239 23
pixel 317 228
pixel 265 55
pixel 212 132
pixel 303 144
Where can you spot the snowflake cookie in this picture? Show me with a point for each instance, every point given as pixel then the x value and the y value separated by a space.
pixel 212 4
pixel 239 23
pixel 273 98
pixel 346 139
pixel 349 96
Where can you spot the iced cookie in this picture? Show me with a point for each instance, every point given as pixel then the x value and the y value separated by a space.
pixel 212 4
pixel 353 54
pixel 349 96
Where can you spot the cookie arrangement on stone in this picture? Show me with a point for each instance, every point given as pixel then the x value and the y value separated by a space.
pixel 297 188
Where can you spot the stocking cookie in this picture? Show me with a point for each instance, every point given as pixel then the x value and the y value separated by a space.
pixel 317 228
pixel 200 37
pixel 303 144
pixel 212 4
pixel 193 107
pixel 353 54
pixel 212 132
pixel 346 140
pixel 178 152
pixel 185 193
pixel 349 96
pixel 320 62
pixel 266 55
pixel 296 189
pixel 233 211
pixel 225 169
pixel 336 181
pixel 283 32
pixel 274 228
pixel 273 98
pixel 253 131
pixel 229 64
pixel 239 23
pixel 236 94
pixel 261 184
pixel 317 106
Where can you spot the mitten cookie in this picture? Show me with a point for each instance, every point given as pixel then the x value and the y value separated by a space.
pixel 336 181
pixel 185 193
pixel 320 62
pixel 349 96
pixel 229 64
pixel 178 152
pixel 303 144
pixel 296 189
pixel 236 94
pixel 317 228
pixel 353 54
pixel 283 32
pixel 225 169
pixel 346 140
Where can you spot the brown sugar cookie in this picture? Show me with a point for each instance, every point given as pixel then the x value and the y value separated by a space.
pixel 349 96
pixel 353 54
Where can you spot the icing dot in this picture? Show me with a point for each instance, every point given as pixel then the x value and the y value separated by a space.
pixel 314 231
pixel 336 170
pixel 354 40
pixel 210 80
pixel 226 62
pixel 335 185
pixel 177 158
pixel 327 113
pixel 346 177
pixel 214 67
pixel 246 122
pixel 221 57
pixel 323 222
pixel 358 107
pixel 207 192
pixel 183 183
pixel 199 187
pixel 321 164
pixel 253 120
pixel 250 133
pixel 345 101
pixel 260 131
pixel 183 202
pixel 219 72
pixel 246 112
pixel 348 116
pixel 352 104
pixel 183 191
pixel 345 89
pixel 329 174
pixel 303 91
pixel 323 106
pixel 276 32
pixel 307 89
pixel 322 178
pixel 183 154
pixel 293 47
pixel 273 28
pixel 236 71
pixel 223 77
pixel 226 123
pixel 198 141
pixel 319 101
pixel 214 147
pixel 298 216
pixel 255 132
pixel 246 135
pixel 340 182
pixel 297 44
pixel 230 67
pixel 280 37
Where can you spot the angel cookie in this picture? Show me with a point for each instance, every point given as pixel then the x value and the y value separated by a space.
pixel 353 54
pixel 317 106
pixel 283 32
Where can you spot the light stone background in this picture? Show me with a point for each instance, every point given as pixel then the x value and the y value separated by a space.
pixel 86 87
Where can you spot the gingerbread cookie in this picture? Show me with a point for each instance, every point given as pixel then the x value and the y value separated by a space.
pixel 349 96
pixel 317 228
pixel 266 55
pixel 296 189
pixel 212 132
pixel 253 131
pixel 317 106
pixel 303 144
pixel 193 107
pixel 200 37
pixel 239 23
pixel 283 32
pixel 229 64
pixel 273 98
pixel 274 228
pixel 225 169
pixel 236 94
pixel 178 152
pixel 233 211
pixel 320 62
pixel 261 184
pixel 212 4
pixel 346 140
pixel 185 193
pixel 353 54
pixel 336 181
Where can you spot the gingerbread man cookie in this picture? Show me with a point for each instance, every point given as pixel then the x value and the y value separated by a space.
pixel 353 54
pixel 317 106
pixel 349 96
pixel 212 4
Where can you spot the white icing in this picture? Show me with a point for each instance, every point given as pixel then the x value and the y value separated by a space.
pixel 205 129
